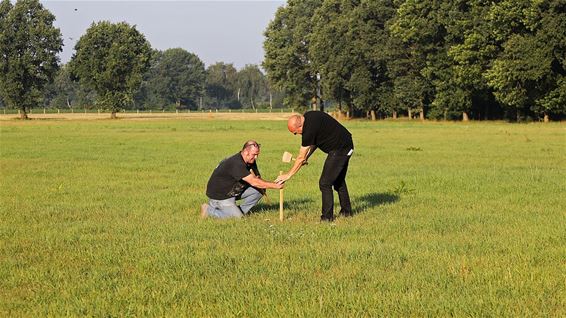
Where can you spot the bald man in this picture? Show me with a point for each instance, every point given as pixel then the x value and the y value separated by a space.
pixel 236 178
pixel 320 130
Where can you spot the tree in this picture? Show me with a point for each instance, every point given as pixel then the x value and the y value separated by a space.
pixel 331 51
pixel 65 89
pixel 471 55
pixel 370 84
pixel 286 45
pixel 111 59
pixel 530 72
pixel 179 77
pixel 146 96
pixel 29 44
pixel 221 85
pixel 253 86
pixel 68 93
pixel 416 41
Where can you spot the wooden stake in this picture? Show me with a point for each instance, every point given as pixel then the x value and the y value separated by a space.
pixel 281 201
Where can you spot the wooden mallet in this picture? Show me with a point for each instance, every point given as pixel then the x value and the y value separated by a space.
pixel 287 157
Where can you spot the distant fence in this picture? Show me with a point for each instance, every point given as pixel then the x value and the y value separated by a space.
pixel 143 111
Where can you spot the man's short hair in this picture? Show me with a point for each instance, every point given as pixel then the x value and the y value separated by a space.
pixel 251 143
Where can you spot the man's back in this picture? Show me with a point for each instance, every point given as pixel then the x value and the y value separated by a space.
pixel 225 179
pixel 325 132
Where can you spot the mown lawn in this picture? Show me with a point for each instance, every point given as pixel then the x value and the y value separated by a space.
pixel 100 218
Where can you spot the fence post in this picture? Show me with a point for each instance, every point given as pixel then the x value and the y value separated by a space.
pixel 58 111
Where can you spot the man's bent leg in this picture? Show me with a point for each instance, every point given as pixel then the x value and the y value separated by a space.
pixel 250 198
pixel 342 189
pixel 224 208
pixel 332 168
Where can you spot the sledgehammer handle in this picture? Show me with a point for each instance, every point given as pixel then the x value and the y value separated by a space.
pixel 281 201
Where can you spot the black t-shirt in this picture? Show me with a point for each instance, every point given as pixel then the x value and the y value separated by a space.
pixel 226 180
pixel 325 132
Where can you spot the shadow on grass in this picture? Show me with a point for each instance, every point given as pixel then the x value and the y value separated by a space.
pixel 370 200
pixel 273 204
pixel 359 203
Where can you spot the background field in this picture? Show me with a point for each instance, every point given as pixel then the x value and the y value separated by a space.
pixel 100 218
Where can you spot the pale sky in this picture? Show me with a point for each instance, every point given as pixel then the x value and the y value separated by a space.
pixel 216 31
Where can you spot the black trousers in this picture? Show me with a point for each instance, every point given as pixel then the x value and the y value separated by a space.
pixel 334 175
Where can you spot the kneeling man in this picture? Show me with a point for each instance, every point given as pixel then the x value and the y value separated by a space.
pixel 236 178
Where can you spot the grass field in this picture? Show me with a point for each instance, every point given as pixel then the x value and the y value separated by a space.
pixel 100 218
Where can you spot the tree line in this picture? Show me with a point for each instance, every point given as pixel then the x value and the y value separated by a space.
pixel 113 68
pixel 439 59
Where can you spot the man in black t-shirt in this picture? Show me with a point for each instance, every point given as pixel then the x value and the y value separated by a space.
pixel 236 178
pixel 320 130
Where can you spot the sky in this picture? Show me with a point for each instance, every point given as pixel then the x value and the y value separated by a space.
pixel 227 31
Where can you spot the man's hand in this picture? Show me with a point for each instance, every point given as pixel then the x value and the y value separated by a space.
pixel 282 178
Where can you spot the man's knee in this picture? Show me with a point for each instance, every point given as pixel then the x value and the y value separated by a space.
pixel 324 185
pixel 255 195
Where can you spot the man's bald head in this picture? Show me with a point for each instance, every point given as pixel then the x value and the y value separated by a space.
pixel 295 124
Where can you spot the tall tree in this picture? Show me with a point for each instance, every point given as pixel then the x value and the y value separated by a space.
pixel 29 44
pixel 146 97
pixel 286 45
pixel 371 84
pixel 221 85
pixel 348 47
pixel 331 50
pixel 68 93
pixel 471 55
pixel 111 59
pixel 253 86
pixel 530 73
pixel 179 76
pixel 416 34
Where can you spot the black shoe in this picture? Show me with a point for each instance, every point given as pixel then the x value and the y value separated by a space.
pixel 326 219
pixel 346 214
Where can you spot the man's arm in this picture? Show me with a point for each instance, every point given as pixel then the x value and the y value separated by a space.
pixel 311 150
pixel 258 182
pixel 253 171
pixel 301 159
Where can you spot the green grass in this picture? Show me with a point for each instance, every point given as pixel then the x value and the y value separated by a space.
pixel 100 218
